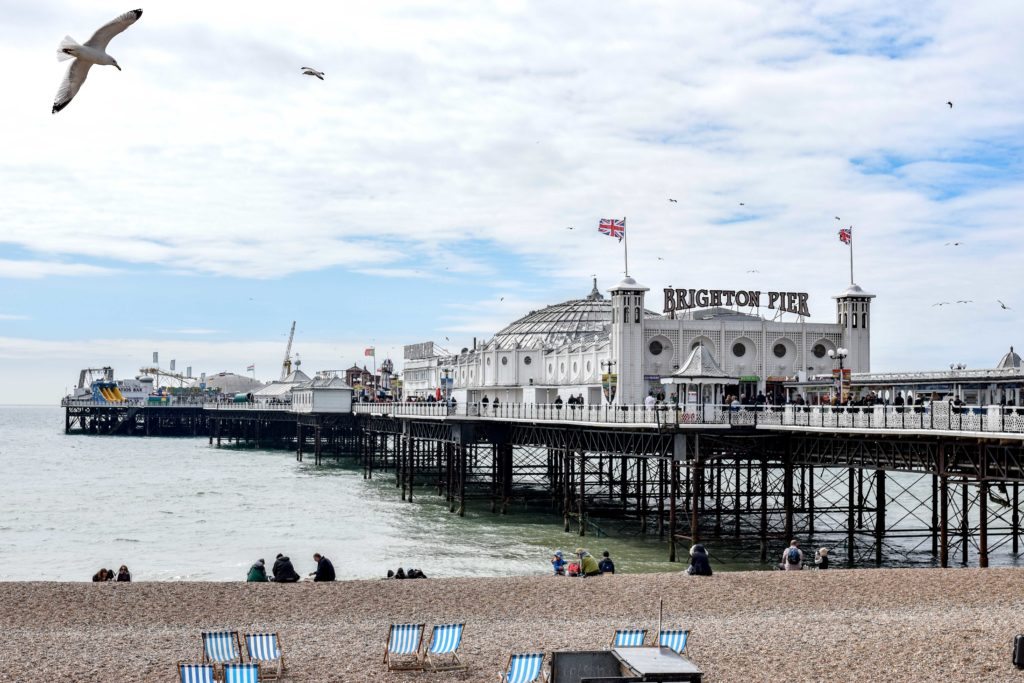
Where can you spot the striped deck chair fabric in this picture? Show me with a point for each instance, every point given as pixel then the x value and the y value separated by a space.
pixel 443 653
pixel 195 673
pixel 629 637
pixel 524 668
pixel 265 649
pixel 221 647
pixel 241 673
pixel 403 650
pixel 674 640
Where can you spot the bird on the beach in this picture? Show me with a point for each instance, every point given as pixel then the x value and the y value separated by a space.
pixel 941 303
pixel 950 104
pixel 93 51
pixel 674 201
pixel 953 244
pixel 310 71
pixel 1003 306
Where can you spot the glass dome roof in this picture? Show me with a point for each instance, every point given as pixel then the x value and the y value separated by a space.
pixel 558 324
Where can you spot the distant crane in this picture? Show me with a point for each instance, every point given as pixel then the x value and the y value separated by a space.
pixel 286 366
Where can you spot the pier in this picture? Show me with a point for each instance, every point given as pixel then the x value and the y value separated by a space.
pixel 870 483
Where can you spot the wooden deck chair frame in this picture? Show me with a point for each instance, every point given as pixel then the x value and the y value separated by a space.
pixel 642 641
pixel 181 679
pixel 274 668
pixel 444 662
pixel 686 644
pixel 220 665
pixel 413 664
pixel 241 665
pixel 540 674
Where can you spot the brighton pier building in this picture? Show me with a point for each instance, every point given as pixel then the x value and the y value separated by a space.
pixel 711 342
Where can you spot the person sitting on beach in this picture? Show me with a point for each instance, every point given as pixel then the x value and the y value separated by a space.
pixel 324 568
pixel 588 565
pixel 558 563
pixel 699 562
pixel 257 572
pixel 400 574
pixel 284 571
pixel 123 574
pixel 606 565
pixel 415 574
pixel 572 569
pixel 821 558
pixel 101 575
pixel 110 575
pixel 793 557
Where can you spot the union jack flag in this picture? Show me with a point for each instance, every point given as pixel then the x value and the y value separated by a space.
pixel 613 227
pixel 846 235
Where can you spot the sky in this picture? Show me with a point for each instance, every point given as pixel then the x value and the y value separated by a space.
pixel 207 195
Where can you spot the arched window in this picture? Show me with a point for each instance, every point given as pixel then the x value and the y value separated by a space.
pixel 854 320
pixel 864 320
pixel 637 318
pixel 625 314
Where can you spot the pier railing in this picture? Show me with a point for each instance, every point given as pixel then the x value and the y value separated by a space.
pixel 250 405
pixel 625 414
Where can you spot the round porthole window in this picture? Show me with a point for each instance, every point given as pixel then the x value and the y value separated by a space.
pixel 504 360
pixel 819 351
pixel 575 367
pixel 488 361
pixel 655 347
pixel 561 367
pixel 527 360
pixel 779 350
pixel 739 349
pixel 589 366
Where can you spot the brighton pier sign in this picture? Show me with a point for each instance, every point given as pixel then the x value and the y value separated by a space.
pixel 685 299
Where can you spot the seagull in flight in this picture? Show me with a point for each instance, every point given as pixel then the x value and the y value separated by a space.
pixel 965 301
pixel 674 201
pixel 570 227
pixel 501 299
pixel 1003 306
pixel 742 204
pixel 941 303
pixel 838 218
pixel 753 271
pixel 953 244
pixel 950 104
pixel 310 71
pixel 93 51
pixel 661 258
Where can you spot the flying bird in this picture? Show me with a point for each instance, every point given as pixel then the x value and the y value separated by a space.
pixel 950 104
pixel 310 71
pixel 674 201
pixel 661 258
pixel 570 227
pixel 838 218
pixel 742 204
pixel 941 303
pixel 501 299
pixel 965 301
pixel 93 51
pixel 1003 306
pixel 953 244
pixel 753 271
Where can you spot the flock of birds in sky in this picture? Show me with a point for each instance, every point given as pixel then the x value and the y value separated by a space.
pixel 94 51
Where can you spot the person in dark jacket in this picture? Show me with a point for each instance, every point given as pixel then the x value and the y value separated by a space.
pixel 101 575
pixel 257 572
pixel 324 568
pixel 606 565
pixel 284 572
pixel 699 564
pixel 123 574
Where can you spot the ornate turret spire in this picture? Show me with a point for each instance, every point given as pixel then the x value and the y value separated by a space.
pixel 595 293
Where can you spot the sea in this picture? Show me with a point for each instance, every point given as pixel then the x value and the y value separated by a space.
pixel 180 509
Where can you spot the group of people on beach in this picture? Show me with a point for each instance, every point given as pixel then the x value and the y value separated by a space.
pixel 121 574
pixel 793 558
pixel 585 564
pixel 284 570
pixel 402 574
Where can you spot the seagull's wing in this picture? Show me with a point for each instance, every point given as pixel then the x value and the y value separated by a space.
pixel 71 84
pixel 104 33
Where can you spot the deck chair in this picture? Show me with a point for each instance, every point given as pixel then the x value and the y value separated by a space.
pixel 264 649
pixel 195 673
pixel 523 668
pixel 443 653
pixel 674 640
pixel 221 647
pixel 242 673
pixel 403 649
pixel 629 637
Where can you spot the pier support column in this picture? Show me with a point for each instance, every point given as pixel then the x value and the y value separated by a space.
pixel 879 514
pixel 810 502
pixel 462 481
pixel 764 509
pixel 673 495
pixel 299 438
pixel 787 494
pixel 581 504
pixel 1015 522
pixel 965 522
pixel 414 447
pixel 943 508
pixel 851 497
pixel 983 524
pixel 506 477
pixel 935 516
pixel 697 486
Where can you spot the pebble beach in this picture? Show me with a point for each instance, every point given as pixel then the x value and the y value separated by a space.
pixel 837 625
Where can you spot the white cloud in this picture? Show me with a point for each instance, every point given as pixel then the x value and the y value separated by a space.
pixel 31 270
pixel 13 316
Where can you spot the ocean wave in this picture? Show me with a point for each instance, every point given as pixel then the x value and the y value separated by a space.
pixel 127 540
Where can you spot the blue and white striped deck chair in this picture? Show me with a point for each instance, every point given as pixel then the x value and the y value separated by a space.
pixel 265 649
pixel 674 640
pixel 443 653
pixel 523 668
pixel 221 647
pixel 403 649
pixel 195 673
pixel 242 673
pixel 629 637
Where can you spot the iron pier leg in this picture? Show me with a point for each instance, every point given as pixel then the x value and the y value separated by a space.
pixel 673 494
pixel 810 501
pixel 983 524
pixel 787 495
pixel 764 510
pixel 718 498
pixel 965 528
pixel 943 508
pixel 462 481
pixel 851 517
pixel 879 514
pixel 935 516
pixel 581 504
pixel 739 471
pixel 1015 522
pixel 697 484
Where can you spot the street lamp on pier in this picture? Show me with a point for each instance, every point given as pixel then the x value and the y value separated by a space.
pixel 446 385
pixel 839 354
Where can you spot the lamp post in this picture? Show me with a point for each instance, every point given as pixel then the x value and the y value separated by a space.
pixel 446 386
pixel 839 354
pixel 609 385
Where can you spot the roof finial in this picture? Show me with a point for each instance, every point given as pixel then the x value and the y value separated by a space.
pixel 595 293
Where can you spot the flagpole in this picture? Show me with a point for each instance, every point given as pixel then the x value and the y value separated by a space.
pixel 625 244
pixel 851 254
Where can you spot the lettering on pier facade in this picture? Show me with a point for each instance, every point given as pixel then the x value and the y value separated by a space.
pixel 685 299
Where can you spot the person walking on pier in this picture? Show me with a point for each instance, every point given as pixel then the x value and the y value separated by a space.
pixel 793 557
pixel 284 571
pixel 324 568
pixel 483 405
